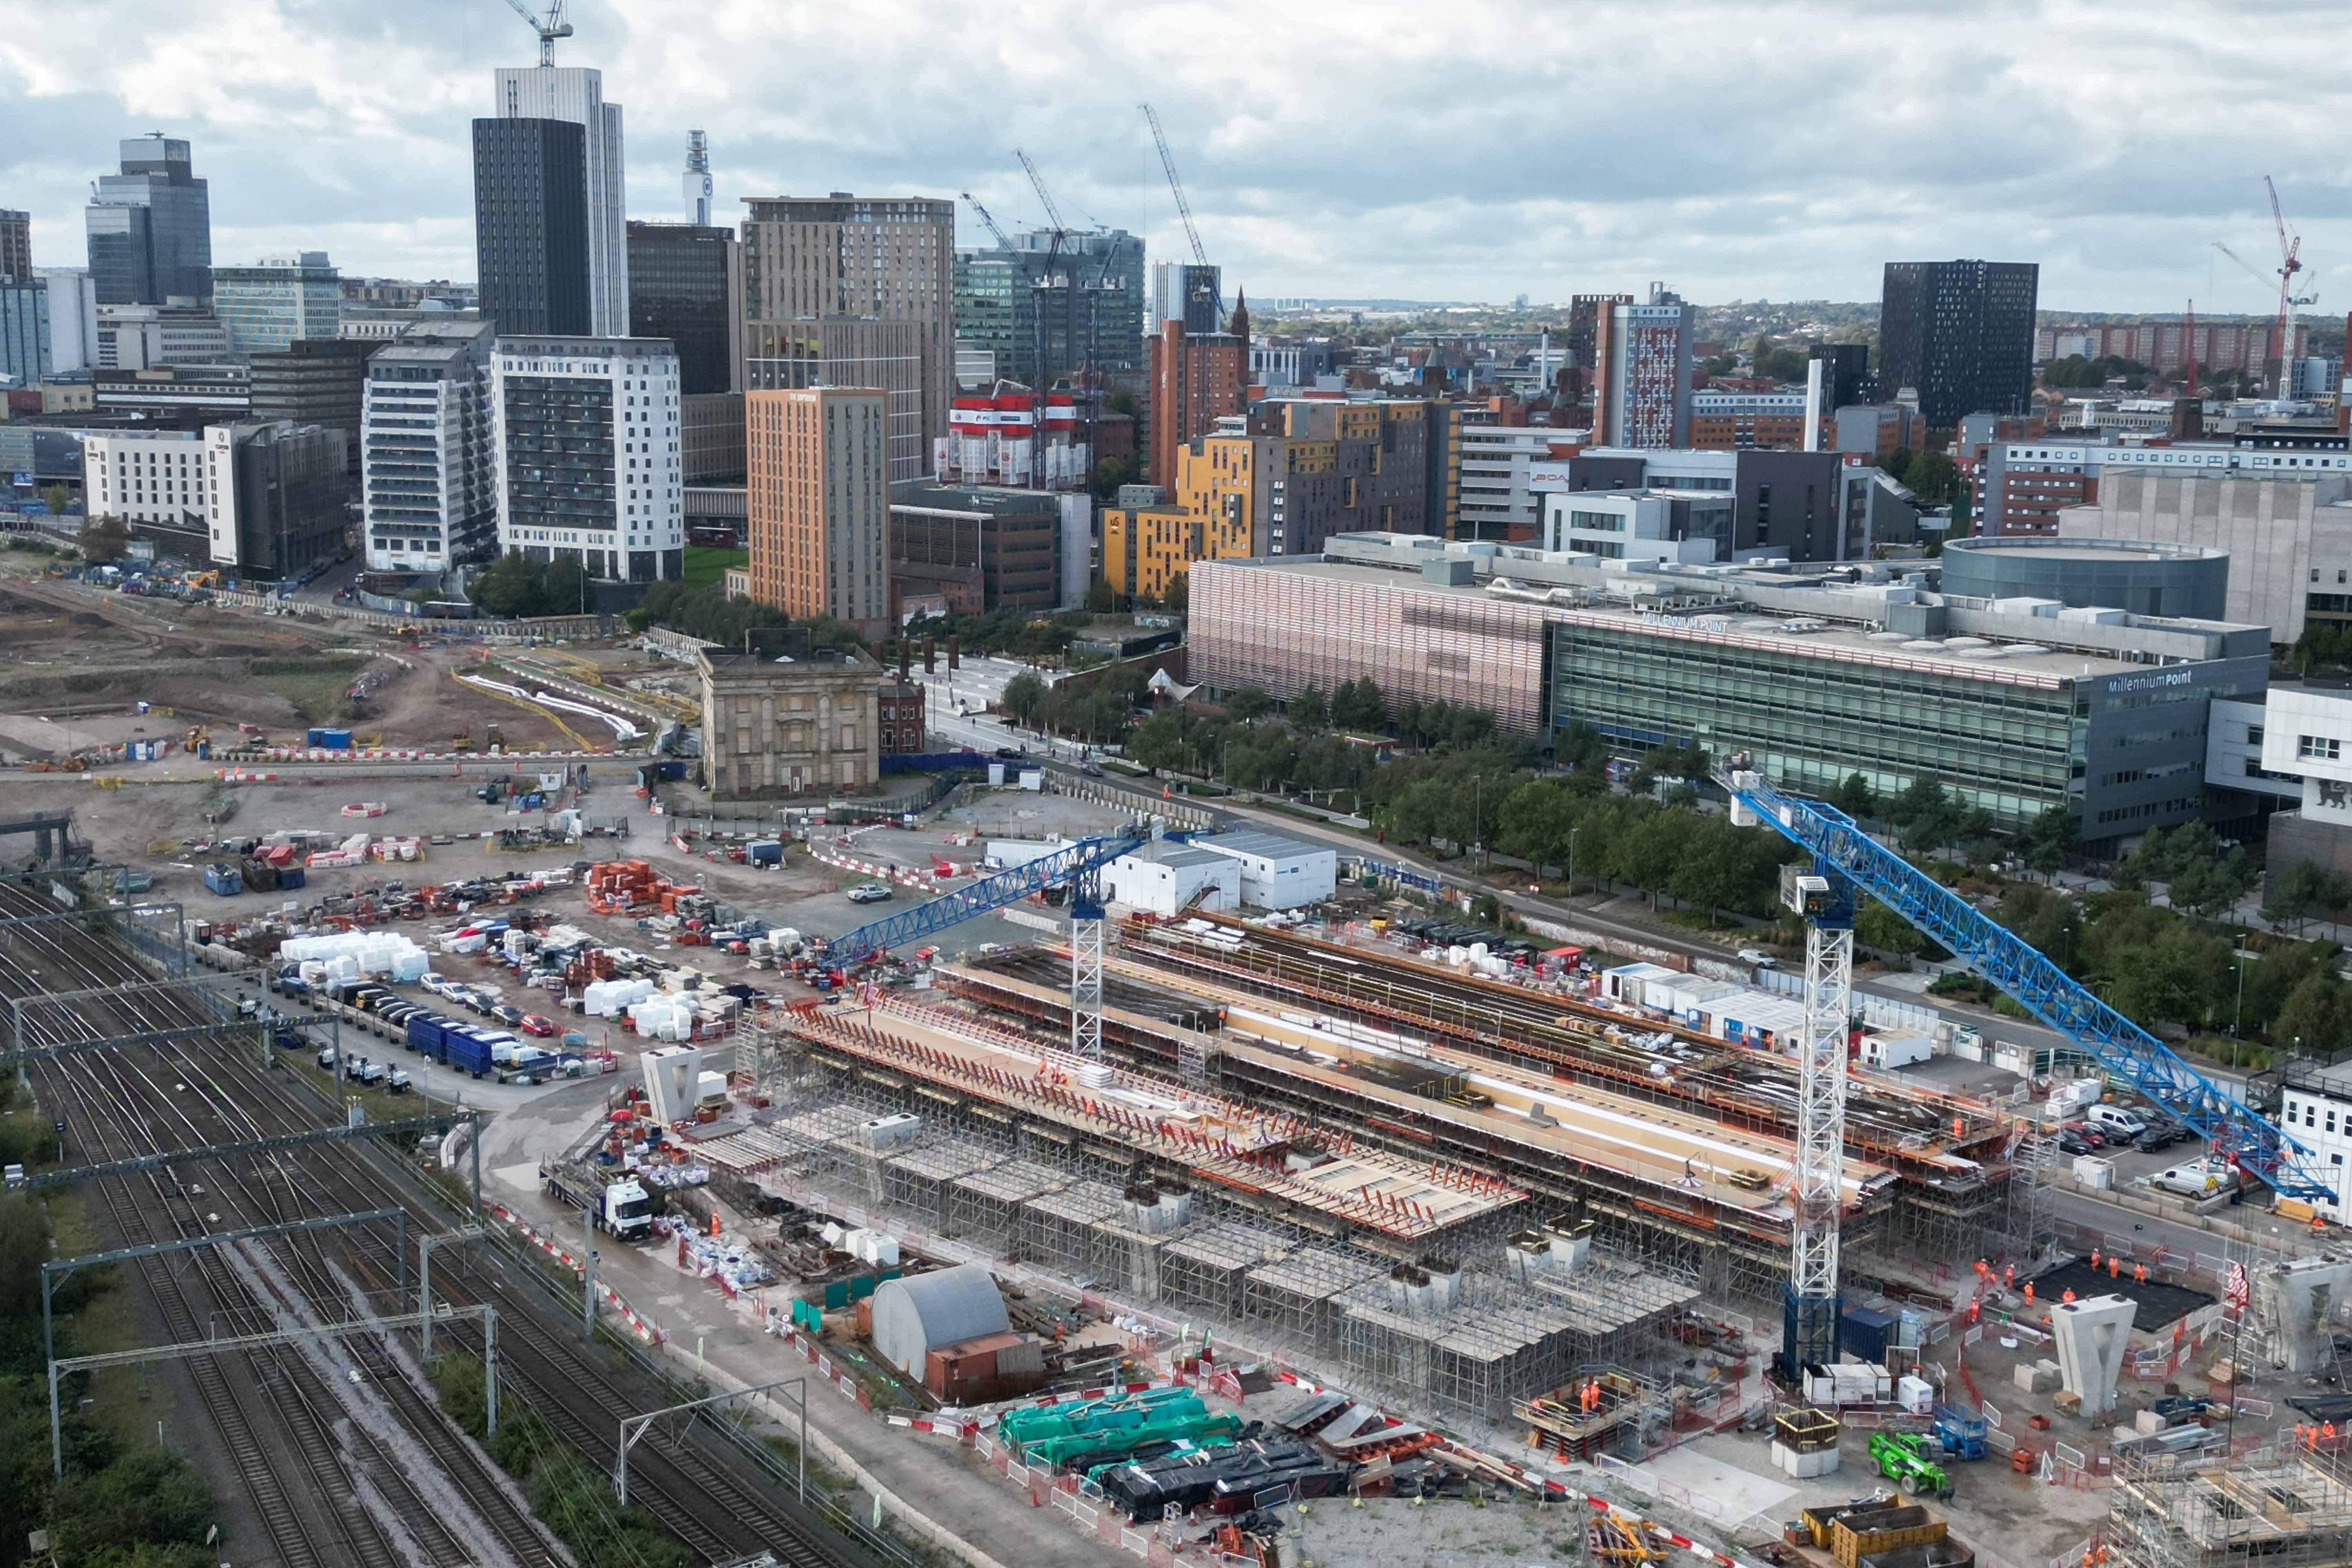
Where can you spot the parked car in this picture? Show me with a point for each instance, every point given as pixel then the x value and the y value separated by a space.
pixel 2120 1123
pixel 1759 957
pixel 2200 1178
pixel 2163 1134
pixel 2072 1142
pixel 506 1013
pixel 2087 1133
pixel 533 1024
pixel 869 893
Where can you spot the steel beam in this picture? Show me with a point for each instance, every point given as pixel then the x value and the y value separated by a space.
pixel 237 1343
pixel 439 1122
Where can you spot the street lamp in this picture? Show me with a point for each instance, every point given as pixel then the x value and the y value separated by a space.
pixel 1571 860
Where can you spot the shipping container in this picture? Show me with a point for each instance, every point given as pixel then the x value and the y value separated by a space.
pixel 291 876
pixel 328 739
pixel 1863 1333
pixel 466 1051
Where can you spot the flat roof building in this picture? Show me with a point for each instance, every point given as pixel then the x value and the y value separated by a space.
pixel 2015 706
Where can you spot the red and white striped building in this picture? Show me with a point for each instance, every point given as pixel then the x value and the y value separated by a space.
pixel 992 439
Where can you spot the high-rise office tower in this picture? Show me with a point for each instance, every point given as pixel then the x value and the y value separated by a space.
pixel 151 227
pixel 696 182
pixel 431 502
pixel 845 291
pixel 1962 333
pixel 279 302
pixel 1184 291
pixel 685 284
pixel 576 94
pixel 15 246
pixel 587 437
pixel 1090 301
pixel 1642 369
pixel 818 502
pixel 531 226
pixel 24 331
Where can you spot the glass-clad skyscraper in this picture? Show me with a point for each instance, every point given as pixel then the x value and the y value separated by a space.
pixel 151 227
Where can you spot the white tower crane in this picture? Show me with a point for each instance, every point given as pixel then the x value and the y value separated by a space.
pixel 554 27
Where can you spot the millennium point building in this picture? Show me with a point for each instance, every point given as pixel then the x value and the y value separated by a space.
pixel 2014 706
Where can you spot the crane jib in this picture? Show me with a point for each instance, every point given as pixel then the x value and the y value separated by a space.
pixel 2118 1046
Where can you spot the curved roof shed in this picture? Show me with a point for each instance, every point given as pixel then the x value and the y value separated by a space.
pixel 916 1316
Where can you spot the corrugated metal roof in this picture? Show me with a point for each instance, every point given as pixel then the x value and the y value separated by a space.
pixel 1269 846
pixel 915 1315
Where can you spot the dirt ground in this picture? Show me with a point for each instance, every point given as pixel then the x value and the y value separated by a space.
pixel 69 652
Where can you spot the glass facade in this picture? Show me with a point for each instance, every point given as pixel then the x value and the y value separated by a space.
pixel 2012 747
pixel 150 228
pixel 25 352
pixel 678 289
pixel 1095 299
pixel 1283 628
pixel 268 309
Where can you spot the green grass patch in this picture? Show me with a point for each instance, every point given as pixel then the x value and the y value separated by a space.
pixel 706 565
pixel 316 686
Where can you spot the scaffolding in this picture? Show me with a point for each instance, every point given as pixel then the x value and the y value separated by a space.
pixel 2284 1508
pixel 984 1203
pixel 918 1179
pixel 1059 1230
pixel 1205 1265
pixel 1297 1296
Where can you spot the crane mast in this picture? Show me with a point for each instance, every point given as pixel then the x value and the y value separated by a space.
pixel 554 27
pixel 1183 207
pixel 2290 245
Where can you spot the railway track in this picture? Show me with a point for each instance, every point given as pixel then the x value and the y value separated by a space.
pixel 696 1490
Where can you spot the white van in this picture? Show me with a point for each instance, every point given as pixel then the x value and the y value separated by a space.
pixel 2116 1123
pixel 2199 1179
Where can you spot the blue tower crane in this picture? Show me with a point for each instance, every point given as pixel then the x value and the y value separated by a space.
pixel 1077 865
pixel 1849 857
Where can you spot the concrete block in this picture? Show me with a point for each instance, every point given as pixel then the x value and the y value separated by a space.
pixel 2092 1337
pixel 2144 1421
pixel 2302 1297
pixel 1803 1464
pixel 2035 1378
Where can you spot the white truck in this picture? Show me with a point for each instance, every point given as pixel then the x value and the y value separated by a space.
pixel 620 1208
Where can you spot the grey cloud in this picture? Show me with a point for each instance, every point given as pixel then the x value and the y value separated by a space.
pixel 1379 147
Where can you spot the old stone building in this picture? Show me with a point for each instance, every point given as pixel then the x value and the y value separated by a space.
pixel 777 725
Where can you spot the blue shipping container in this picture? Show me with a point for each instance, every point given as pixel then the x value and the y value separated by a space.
pixel 465 1049
pixel 425 1033
pixel 291 876
pixel 1864 1332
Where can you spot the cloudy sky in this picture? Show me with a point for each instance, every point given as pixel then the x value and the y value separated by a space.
pixel 1428 149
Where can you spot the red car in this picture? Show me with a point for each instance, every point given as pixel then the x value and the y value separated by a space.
pixel 533 1024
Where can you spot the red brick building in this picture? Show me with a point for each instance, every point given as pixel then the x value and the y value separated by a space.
pixel 1196 379
pixel 900 716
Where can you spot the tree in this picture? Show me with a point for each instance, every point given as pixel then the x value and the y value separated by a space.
pixel 1249 704
pixel 1178 599
pixel 1896 464
pixel 1101 597
pixel 103 539
pixel 2050 837
pixel 1855 797
pixel 58 499
pixel 509 588
pixel 1924 814
pixel 1357 705
pixel 1877 926
pixel 1309 711
pixel 1536 821
pixel 2311 1019
pixel 2304 889
pixel 1022 696
pixel 1935 477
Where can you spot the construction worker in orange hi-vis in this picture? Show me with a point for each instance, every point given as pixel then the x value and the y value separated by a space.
pixel 2094 1260
pixel 2008 1275
pixel 2115 1267
pixel 2029 1292
pixel 2139 1273
pixel 2069 1297
pixel 1975 1306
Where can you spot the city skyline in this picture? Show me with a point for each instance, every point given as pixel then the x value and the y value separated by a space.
pixel 2000 131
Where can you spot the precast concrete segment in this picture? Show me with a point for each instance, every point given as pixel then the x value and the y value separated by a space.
pixel 2299 1300
pixel 2092 1339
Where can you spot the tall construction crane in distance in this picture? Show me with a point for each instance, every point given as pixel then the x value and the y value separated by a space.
pixel 988 222
pixel 553 28
pixel 1050 283
pixel 1183 207
pixel 2290 245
